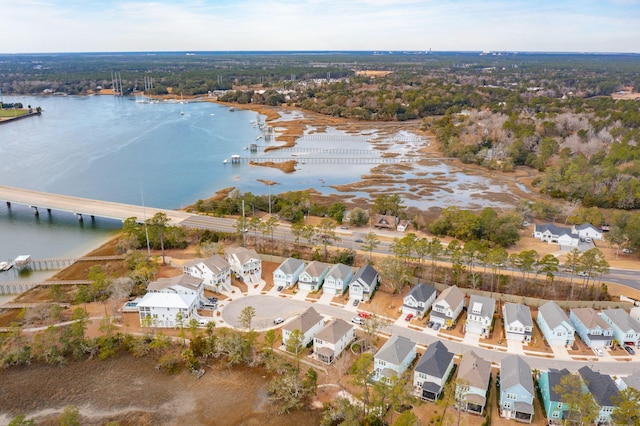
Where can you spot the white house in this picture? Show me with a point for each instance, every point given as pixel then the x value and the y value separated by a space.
pixel 312 276
pixel 309 323
pixel 403 225
pixel 419 300
pixel 245 264
pixel 432 371
pixel 626 330
pixel 393 358
pixel 332 339
pixel 473 378
pixel 180 284
pixel 555 325
pixel 159 309
pixel 364 283
pixel 213 271
pixel 337 279
pixel 287 273
pixel 480 315
pixel 518 325
pixel 592 329
pixel 447 306
pixel 587 230
pixel 555 235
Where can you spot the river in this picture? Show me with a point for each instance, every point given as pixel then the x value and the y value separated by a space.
pixel 164 155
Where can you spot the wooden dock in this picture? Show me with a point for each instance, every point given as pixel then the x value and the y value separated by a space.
pixel 17 287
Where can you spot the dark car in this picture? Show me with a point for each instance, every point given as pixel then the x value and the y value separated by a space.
pixel 356 302
pixel 629 350
pixel 280 288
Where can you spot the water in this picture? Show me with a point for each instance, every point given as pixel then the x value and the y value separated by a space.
pixel 115 149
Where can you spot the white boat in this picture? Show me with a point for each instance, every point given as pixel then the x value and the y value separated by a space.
pixel 232 109
pixel 5 266
pixel 225 161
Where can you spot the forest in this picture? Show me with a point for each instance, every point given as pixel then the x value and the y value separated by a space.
pixel 573 117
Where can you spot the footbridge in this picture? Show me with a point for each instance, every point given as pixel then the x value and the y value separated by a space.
pixel 85 207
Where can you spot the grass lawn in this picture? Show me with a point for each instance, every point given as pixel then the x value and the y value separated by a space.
pixel 8 113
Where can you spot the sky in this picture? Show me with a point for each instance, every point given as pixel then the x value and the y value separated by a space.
pixel 417 25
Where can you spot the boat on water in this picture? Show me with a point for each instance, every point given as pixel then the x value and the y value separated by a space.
pixel 5 266
pixel 225 161
pixel 232 109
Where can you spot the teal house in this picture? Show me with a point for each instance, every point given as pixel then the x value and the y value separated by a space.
pixel 554 408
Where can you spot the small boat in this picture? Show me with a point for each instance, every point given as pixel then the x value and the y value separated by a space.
pixel 259 137
pixel 212 114
pixel 232 109
pixel 225 161
pixel 5 266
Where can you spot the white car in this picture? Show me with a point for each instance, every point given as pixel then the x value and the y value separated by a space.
pixel 357 320
pixel 278 321
pixel 599 351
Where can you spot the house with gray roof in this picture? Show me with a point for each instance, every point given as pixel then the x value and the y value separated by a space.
pixel 587 230
pixel 364 283
pixel 555 325
pixel 592 329
pixel 518 325
pixel 332 339
pixel 556 408
pixel 393 358
pixel 516 389
pixel 214 272
pixel 474 375
pixel 180 284
pixel 448 306
pixel 312 277
pixel 309 323
pixel 480 315
pixel 245 264
pixel 603 389
pixel 632 381
pixel 626 330
pixel 286 275
pixel 337 279
pixel 419 300
pixel 555 235
pixel 432 371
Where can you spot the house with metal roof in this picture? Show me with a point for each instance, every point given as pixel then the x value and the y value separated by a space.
pixel 419 300
pixel 516 389
pixel 364 283
pixel 332 339
pixel 337 279
pixel 312 277
pixel 480 315
pixel 393 358
pixel 432 371
pixel 448 306
pixel 168 310
pixel 474 375
pixel 592 329
pixel 309 323
pixel 555 408
pixel 604 391
pixel 626 330
pixel 214 271
pixel 555 325
pixel 518 325
pixel 287 273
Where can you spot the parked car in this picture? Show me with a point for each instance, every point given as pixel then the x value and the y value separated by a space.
pixel 356 302
pixel 626 251
pixel 364 314
pixel 587 240
pixel 430 324
pixel 436 326
pixel 278 321
pixel 357 320
pixel 599 351
pixel 280 288
pixel 629 350
pixel 409 317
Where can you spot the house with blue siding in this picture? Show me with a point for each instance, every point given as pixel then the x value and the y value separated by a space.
pixel 393 358
pixel 516 389
pixel 473 381
pixel 337 279
pixel 419 300
pixel 312 277
pixel 287 273
pixel 554 408
pixel 604 391
pixel 592 329
pixel 555 325
pixel 626 330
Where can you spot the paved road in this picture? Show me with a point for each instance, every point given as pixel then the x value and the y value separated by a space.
pixel 268 308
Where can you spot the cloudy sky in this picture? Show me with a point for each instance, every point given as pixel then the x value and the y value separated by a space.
pixel 196 25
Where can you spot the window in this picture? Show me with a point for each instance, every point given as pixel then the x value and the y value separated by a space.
pixel 560 405
pixel 512 396
pixel 555 415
